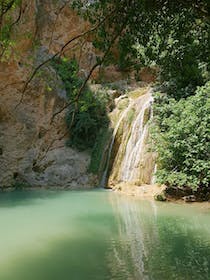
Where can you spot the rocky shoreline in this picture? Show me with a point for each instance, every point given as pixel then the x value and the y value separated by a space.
pixel 163 193
pixel 144 191
pixel 154 192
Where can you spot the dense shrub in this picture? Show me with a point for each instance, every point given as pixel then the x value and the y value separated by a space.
pixel 98 155
pixel 181 135
pixel 90 117
pixel 86 117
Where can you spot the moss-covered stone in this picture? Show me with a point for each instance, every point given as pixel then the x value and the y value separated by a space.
pixel 160 197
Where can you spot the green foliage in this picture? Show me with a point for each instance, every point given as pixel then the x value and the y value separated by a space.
pixel 170 35
pixel 179 45
pixel 98 152
pixel 181 137
pixel 88 115
pixel 89 118
pixel 8 20
pixel 68 71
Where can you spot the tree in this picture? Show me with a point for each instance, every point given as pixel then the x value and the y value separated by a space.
pixel 171 35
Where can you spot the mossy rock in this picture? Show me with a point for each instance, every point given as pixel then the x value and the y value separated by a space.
pixel 160 197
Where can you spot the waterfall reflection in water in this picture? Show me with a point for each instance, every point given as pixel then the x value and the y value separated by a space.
pixel 130 252
pixel 158 241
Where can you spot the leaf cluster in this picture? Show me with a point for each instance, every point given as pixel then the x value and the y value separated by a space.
pixel 8 19
pixel 88 115
pixel 173 36
pixel 182 137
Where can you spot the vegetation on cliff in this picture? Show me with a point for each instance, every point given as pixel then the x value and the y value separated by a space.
pixel 86 117
pixel 9 17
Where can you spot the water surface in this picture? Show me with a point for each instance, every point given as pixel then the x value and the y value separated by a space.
pixel 99 235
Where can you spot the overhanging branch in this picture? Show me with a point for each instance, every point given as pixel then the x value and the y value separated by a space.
pixel 59 53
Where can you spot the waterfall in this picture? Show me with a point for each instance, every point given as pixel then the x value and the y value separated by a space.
pixel 153 181
pixel 132 161
pixel 133 154
pixel 104 177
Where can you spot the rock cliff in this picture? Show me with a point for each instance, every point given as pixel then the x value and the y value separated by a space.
pixel 32 143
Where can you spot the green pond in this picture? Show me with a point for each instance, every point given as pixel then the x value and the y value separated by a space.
pixel 101 235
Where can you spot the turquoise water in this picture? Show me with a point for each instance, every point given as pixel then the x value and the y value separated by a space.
pixel 99 235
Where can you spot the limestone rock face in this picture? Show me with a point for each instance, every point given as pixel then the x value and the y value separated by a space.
pixel 32 143
pixel 32 140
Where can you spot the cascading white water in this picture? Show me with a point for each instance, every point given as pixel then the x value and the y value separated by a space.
pixel 153 181
pixel 132 163
pixel 133 154
pixel 104 177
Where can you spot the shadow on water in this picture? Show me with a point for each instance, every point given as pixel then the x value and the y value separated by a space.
pixel 66 260
pixel 28 197
pixel 22 197
pixel 78 251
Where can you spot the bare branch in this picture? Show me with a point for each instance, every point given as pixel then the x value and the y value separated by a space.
pixel 59 53
pixel 54 25
pixel 5 7
pixel 99 63
pixel 21 11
